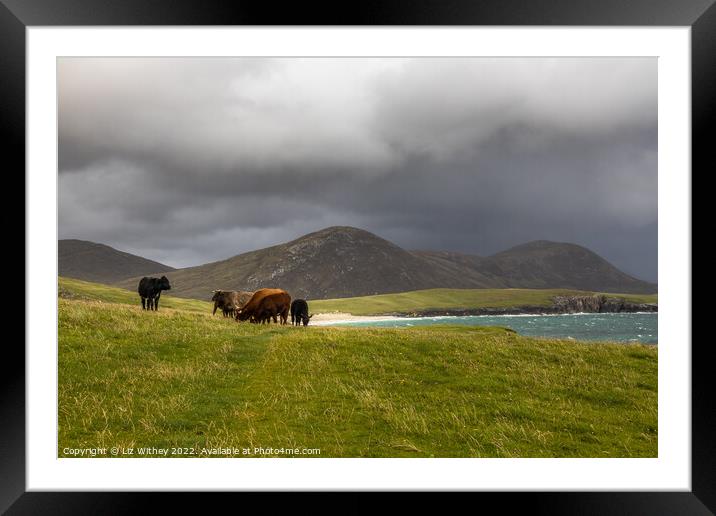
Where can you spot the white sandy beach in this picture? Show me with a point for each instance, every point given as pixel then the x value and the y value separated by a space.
pixel 326 319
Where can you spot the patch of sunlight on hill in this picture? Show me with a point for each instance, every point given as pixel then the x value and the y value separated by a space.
pixel 69 288
pixel 443 298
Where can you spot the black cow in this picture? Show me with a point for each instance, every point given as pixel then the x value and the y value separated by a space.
pixel 150 289
pixel 299 312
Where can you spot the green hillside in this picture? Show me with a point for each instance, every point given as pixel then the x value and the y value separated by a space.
pixel 439 298
pixel 451 299
pixel 91 261
pixel 182 378
pixel 69 288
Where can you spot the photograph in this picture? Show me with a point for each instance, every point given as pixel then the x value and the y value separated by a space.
pixel 357 257
pixel 442 250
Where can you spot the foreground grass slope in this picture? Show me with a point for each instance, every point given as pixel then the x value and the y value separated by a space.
pixel 180 378
pixel 445 298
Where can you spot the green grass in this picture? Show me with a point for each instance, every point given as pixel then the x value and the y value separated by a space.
pixel 443 298
pixel 181 378
pixel 70 288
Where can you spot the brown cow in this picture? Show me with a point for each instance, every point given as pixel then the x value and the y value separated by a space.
pixel 230 300
pixel 265 304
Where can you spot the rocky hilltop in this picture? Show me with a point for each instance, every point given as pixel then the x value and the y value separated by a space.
pixel 334 262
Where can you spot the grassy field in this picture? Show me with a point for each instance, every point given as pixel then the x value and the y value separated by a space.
pixel 444 298
pixel 180 378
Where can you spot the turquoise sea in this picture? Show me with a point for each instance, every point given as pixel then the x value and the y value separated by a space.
pixel 617 327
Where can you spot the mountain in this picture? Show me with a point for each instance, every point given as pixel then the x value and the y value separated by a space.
pixel 345 262
pixel 333 262
pixel 542 264
pixel 466 269
pixel 100 263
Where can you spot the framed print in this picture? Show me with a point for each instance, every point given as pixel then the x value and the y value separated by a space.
pixel 423 252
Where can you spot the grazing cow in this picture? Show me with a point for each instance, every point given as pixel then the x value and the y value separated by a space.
pixel 244 297
pixel 264 305
pixel 229 301
pixel 269 306
pixel 273 306
pixel 150 290
pixel 299 312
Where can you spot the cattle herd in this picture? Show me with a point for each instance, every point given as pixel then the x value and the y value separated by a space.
pixel 257 307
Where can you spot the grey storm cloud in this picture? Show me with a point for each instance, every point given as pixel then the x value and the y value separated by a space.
pixel 190 160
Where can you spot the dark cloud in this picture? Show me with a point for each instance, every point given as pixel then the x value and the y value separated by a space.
pixel 192 160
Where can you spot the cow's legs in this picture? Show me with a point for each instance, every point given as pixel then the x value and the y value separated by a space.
pixel 143 304
pixel 156 302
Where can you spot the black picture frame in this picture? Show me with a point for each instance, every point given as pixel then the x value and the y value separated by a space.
pixel 17 15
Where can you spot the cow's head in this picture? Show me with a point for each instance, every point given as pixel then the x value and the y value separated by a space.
pixel 164 283
pixel 306 318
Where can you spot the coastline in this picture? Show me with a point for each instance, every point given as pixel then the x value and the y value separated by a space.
pixel 560 305
pixel 330 318
pixel 525 310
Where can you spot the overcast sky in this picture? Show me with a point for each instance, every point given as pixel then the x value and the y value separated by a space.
pixel 187 161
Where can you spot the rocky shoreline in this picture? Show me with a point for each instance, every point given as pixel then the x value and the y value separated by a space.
pixel 560 305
